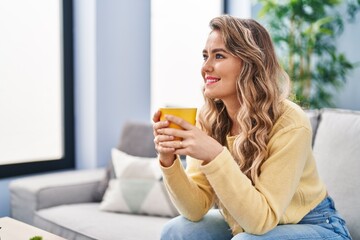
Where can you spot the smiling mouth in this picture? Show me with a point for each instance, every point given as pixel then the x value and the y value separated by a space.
pixel 211 80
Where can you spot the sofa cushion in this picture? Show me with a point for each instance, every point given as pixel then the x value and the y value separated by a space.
pixel 137 188
pixel 337 152
pixel 313 115
pixel 136 139
pixel 28 194
pixel 85 221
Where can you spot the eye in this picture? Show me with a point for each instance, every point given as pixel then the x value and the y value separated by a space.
pixel 205 57
pixel 219 56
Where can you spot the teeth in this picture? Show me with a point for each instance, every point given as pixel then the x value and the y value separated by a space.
pixel 211 80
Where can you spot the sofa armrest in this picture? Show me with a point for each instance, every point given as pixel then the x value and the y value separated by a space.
pixel 29 194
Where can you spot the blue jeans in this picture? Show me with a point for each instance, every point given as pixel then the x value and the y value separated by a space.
pixel 323 222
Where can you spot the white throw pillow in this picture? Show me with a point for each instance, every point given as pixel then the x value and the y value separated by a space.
pixel 128 166
pixel 137 188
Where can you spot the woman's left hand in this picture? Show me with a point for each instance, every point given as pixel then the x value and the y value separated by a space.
pixel 194 143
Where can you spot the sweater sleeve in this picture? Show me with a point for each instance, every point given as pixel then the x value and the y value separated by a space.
pixel 189 190
pixel 258 208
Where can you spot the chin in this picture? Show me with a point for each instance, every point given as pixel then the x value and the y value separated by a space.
pixel 209 95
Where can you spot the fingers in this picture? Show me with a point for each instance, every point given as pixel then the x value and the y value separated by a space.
pixel 162 127
pixel 177 144
pixel 164 152
pixel 167 141
pixel 163 138
pixel 179 121
pixel 159 139
pixel 159 125
pixel 156 116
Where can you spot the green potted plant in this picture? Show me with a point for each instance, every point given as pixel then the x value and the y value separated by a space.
pixel 305 33
pixel 353 6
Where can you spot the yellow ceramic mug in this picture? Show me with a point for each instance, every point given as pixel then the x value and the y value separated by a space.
pixel 188 114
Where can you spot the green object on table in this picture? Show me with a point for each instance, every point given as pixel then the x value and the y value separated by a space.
pixel 36 238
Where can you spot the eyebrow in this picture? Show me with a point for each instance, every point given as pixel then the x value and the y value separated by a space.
pixel 216 50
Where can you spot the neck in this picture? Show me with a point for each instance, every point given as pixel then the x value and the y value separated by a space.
pixel 232 110
pixel 235 129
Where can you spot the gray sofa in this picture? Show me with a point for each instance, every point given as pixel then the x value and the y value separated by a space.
pixel 67 203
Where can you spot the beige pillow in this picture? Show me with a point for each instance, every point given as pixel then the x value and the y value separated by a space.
pixel 137 188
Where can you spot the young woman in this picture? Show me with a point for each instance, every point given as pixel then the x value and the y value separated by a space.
pixel 251 152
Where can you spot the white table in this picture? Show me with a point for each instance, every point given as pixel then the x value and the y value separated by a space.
pixel 12 229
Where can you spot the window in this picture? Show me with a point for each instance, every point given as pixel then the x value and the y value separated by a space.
pixel 36 86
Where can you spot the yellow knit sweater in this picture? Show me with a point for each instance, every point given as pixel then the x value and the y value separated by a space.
pixel 286 190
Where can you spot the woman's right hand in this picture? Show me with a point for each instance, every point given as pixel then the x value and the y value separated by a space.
pixel 166 154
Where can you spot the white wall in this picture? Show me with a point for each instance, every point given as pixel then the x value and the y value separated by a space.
pixel 179 30
pixel 349 96
pixel 85 82
pixel 240 9
pixel 123 61
pixel 112 67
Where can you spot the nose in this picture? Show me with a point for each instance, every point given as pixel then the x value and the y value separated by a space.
pixel 207 66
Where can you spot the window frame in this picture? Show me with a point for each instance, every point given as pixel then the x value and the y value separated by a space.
pixel 68 159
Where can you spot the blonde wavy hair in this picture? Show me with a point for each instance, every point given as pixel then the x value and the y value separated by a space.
pixel 261 86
